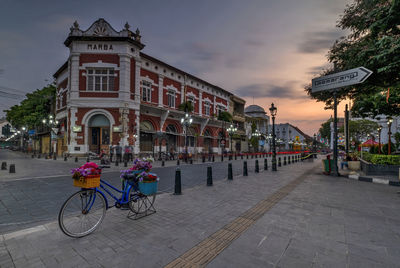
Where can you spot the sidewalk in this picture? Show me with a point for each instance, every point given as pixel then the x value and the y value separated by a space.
pixel 291 218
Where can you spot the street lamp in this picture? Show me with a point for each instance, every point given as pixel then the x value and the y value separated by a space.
pixel 273 111
pixel 256 134
pixel 389 122
pixel 231 131
pixel 186 122
pixel 50 123
pixel 379 139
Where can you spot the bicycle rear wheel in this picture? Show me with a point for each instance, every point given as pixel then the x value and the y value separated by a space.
pixel 82 213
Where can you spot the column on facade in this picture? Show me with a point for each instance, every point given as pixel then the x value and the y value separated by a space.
pixel 136 148
pixel 124 77
pixel 72 144
pixel 137 80
pixel 160 90
pixel 214 104
pixel 200 103
pixel 74 73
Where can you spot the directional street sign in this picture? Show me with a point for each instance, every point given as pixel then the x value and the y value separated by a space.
pixel 342 79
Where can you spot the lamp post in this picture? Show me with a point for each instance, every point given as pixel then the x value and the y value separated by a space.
pixel 389 122
pixel 273 111
pixel 231 131
pixel 379 139
pixel 50 123
pixel 256 134
pixel 186 122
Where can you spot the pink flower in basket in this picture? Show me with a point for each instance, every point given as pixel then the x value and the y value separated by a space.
pixel 87 169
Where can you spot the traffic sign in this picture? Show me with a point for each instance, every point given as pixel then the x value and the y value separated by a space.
pixel 342 79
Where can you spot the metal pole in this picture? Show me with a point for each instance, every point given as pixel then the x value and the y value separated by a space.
pixel 346 129
pixel 273 145
pixel 335 143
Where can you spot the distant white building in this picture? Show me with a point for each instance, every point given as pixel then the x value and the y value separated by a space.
pixel 289 137
pixel 257 115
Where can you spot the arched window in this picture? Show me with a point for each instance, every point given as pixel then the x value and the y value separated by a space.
pixel 99 120
pixel 146 126
pixel 171 129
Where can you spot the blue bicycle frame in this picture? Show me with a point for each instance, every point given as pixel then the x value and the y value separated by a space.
pixel 123 200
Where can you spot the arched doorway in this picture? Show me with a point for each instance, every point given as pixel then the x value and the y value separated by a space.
pixel 171 138
pixel 207 141
pixel 146 136
pixel 99 133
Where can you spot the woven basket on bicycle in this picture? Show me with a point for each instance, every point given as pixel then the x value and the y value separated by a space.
pixel 87 176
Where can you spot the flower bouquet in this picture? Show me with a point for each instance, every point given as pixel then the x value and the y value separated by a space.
pixel 86 176
pixel 146 180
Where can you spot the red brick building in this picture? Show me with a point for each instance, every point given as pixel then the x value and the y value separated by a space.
pixel 110 92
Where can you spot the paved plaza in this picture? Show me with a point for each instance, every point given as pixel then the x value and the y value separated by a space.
pixel 295 217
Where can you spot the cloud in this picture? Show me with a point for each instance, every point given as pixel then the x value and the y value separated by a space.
pixel 315 42
pixel 271 91
pixel 315 70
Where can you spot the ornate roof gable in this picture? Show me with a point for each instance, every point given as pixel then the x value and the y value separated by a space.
pixel 102 29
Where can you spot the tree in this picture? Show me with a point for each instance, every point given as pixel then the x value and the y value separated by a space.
pixel 33 109
pixel 360 128
pixel 186 107
pixel 325 129
pixel 225 116
pixel 373 42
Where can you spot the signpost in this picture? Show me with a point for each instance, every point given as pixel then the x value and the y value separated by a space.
pixel 334 82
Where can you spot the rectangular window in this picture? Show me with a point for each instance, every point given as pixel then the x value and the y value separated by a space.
pixel 171 99
pixel 207 108
pixel 146 91
pixel 220 109
pixel 191 100
pixel 100 79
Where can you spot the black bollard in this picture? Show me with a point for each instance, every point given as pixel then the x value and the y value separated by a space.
pixel 230 177
pixel 256 156
pixel 265 164
pixel 178 184
pixel 54 156
pixel 65 158
pixel 33 156
pixel 235 157
pixel 76 159
pixel 213 159
pixel 191 161
pixel 38 156
pixel 12 168
pixel 87 160
pixel 4 166
pixel 257 167
pixel 241 156
pixel 279 162
pixel 247 156
pixel 284 161
pixel 209 176
pixel 203 159
pixel 245 168
pixel 292 158
pixel 222 158
pixel 125 163
pixel 288 159
pixel 230 157
pixel 178 162
pixel 252 156
pixel 163 163
pixel 116 163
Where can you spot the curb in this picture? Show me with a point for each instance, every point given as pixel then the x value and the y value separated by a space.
pixel 373 180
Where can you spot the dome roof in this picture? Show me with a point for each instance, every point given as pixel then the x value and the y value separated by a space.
pixel 254 109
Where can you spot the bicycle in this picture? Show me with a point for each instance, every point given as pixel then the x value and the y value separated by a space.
pixel 83 212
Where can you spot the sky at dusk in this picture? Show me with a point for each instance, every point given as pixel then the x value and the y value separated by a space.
pixel 264 51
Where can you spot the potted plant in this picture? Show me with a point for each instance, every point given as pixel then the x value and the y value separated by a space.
pixel 145 180
pixel 353 162
pixel 86 176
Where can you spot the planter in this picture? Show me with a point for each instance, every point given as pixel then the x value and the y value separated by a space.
pixel 148 188
pixel 354 165
pixel 371 169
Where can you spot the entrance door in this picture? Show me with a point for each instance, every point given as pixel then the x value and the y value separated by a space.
pixel 94 143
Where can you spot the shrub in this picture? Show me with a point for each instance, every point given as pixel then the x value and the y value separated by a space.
pixel 379 159
pixel 367 156
pixel 385 148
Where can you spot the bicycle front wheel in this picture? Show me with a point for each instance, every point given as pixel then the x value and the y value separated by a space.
pixel 82 213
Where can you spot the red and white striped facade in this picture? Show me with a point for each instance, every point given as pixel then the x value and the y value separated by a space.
pixel 107 74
